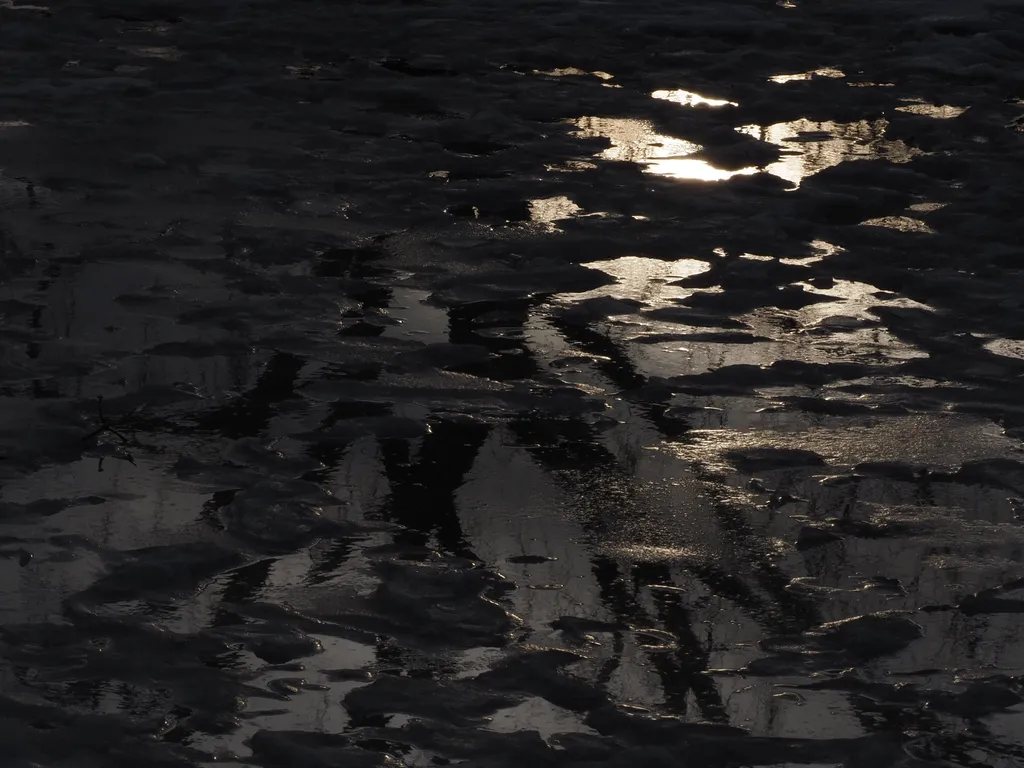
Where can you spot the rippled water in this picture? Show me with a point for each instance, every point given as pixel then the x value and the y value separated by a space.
pixel 575 384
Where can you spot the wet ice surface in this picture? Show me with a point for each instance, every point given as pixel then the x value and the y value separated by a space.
pixel 489 384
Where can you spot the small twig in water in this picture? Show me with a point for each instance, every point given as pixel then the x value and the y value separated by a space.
pixel 104 424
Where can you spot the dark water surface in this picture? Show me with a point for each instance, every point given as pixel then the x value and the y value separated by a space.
pixel 530 383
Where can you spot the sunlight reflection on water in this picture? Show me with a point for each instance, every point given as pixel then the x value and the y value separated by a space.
pixel 812 146
pixel 1006 347
pixel 551 209
pixel 698 170
pixel 936 111
pixel 852 299
pixel 824 72
pixel 573 72
pixel 900 224
pixel 808 146
pixel 691 99
pixel 645 279
pixel 823 250
pixel 636 141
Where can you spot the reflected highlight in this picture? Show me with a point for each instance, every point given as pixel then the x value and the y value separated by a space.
pixel 644 279
pixel 813 146
pixel 548 210
pixel 691 99
pixel 934 111
pixel 824 72
pixel 636 141
pixel 697 170
pixel 573 72
pixel 900 224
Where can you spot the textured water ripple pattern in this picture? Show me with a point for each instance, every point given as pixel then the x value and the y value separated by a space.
pixel 565 383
